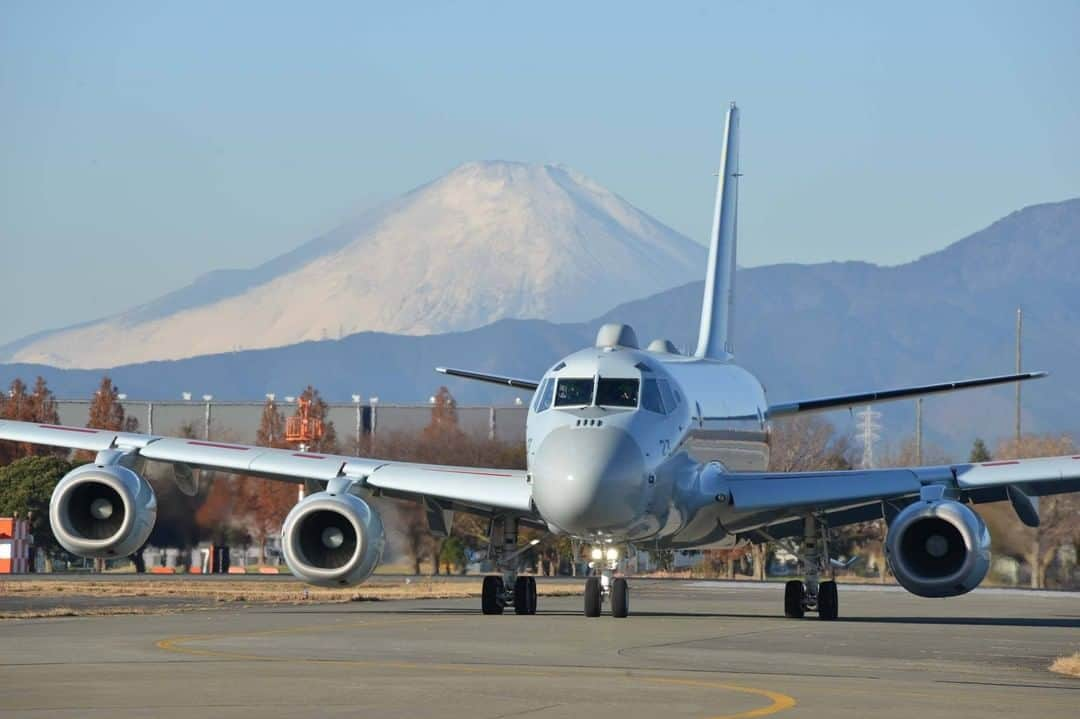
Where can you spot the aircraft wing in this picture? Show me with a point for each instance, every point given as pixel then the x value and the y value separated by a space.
pixel 847 401
pixel 861 495
pixel 477 488
pixel 492 378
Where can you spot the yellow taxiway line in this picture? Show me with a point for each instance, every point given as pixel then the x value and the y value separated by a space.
pixel 181 645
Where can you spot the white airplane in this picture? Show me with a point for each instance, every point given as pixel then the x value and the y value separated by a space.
pixel 625 446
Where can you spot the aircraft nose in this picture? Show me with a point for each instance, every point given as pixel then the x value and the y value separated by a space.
pixel 589 479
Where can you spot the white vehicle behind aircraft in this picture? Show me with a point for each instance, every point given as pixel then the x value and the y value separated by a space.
pixel 625 446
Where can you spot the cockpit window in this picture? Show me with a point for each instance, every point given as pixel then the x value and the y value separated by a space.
pixel 671 401
pixel 617 392
pixel 543 396
pixel 570 392
pixel 650 397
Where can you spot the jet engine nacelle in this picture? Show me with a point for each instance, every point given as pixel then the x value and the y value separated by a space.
pixel 100 511
pixel 332 539
pixel 939 548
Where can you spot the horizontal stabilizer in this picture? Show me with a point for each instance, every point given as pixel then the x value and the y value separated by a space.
pixel 848 401
pixel 493 378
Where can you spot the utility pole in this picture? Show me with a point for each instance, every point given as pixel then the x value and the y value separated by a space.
pixel 918 431
pixel 1036 580
pixel 1019 334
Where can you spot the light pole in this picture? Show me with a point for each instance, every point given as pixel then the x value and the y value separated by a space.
pixel 207 398
pixel 374 401
pixel 270 398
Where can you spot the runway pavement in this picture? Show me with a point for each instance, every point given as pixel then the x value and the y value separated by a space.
pixel 690 649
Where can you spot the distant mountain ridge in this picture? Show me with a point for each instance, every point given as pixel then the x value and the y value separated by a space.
pixel 488 241
pixel 805 330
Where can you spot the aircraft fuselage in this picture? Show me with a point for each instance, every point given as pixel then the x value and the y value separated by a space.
pixel 620 442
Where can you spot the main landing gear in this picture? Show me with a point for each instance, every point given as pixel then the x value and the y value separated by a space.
pixel 495 597
pixel 607 586
pixel 810 594
pixel 506 589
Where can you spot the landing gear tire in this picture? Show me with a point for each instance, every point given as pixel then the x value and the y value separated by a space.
pixel 828 601
pixel 491 597
pixel 525 595
pixel 794 596
pixel 593 597
pixel 620 598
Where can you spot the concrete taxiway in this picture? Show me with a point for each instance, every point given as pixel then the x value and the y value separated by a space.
pixel 690 649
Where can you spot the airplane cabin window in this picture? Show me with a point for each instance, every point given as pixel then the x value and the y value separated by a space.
pixel 543 397
pixel 573 392
pixel 670 400
pixel 615 392
pixel 650 397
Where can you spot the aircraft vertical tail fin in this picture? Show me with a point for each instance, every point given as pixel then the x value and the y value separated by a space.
pixel 717 308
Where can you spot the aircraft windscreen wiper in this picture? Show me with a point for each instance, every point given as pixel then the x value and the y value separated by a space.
pixel 617 392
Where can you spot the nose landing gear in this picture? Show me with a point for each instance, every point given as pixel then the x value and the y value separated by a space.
pixel 607 587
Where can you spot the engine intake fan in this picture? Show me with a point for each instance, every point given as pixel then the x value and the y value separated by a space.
pixel 332 539
pixel 102 511
pixel 938 548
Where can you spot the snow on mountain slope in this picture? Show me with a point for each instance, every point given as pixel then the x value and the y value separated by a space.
pixel 488 241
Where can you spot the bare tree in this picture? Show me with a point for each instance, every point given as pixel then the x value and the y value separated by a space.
pixel 803 443
pixel 1059 514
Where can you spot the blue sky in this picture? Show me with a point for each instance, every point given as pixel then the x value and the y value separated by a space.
pixel 142 144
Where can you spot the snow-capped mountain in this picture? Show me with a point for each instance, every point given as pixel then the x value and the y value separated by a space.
pixel 488 241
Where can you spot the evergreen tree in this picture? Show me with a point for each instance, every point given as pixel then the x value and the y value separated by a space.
pixel 979 452
pixel 26 486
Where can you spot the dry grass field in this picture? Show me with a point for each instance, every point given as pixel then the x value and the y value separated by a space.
pixel 192 593
pixel 1067 665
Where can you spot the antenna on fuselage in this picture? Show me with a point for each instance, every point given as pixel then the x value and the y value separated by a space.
pixel 717 307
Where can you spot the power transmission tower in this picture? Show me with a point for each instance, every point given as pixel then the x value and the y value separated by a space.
pixel 868 433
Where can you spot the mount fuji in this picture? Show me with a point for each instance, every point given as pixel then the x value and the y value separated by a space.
pixel 488 241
